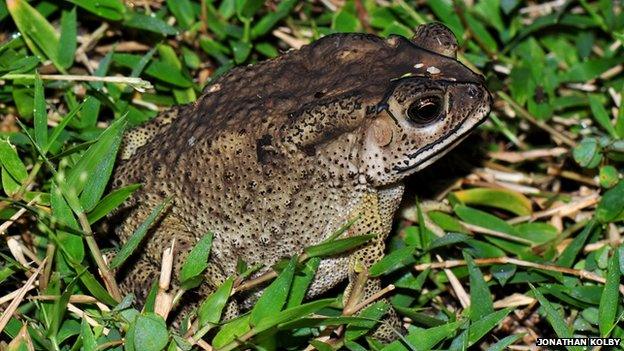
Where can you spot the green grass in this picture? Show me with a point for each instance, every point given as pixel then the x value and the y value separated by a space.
pixel 539 217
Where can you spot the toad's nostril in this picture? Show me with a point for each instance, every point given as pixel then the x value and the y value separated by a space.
pixel 473 92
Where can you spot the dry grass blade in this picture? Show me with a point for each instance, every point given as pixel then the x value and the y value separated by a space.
pixel 166 267
pixel 136 83
pixel 204 345
pixel 125 46
pixel 514 300
pixel 495 233
pixel 72 299
pixel 8 312
pixel 16 250
pixel 164 300
pixel 22 339
pixel 557 135
pixel 542 8
pixel 47 270
pixel 88 43
pixel 10 296
pixel 522 156
pixel 92 322
pixel 376 296
pixel 563 210
pixel 15 247
pixel 583 274
pixel 458 288
pixel 290 40
pixel 4 226
pixel 354 292
pixel 105 272
pixel 572 176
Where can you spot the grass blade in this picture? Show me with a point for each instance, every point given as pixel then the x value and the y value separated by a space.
pixel 568 256
pixel 210 310
pixel 302 281
pixel 334 247
pixel 293 314
pixel 67 41
pixel 40 115
pixel 136 237
pixel 481 303
pixel 56 132
pixel 274 296
pixel 88 339
pixel 609 299
pixel 38 33
pixel 601 115
pixel 9 159
pixel 393 261
pixel 70 243
pixel 505 199
pixel 111 201
pixel 91 173
pixel 554 318
pixel 230 331
pixel 425 339
pixel 196 262
pixel 503 343
pixel 109 9
pixel 374 313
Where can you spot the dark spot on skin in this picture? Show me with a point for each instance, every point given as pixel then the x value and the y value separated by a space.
pixel 262 150
pixel 309 150
pixel 228 176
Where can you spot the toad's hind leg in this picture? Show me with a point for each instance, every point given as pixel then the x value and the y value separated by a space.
pixel 144 273
pixel 376 211
pixel 144 266
pixel 141 135
pixel 138 275
pixel 138 278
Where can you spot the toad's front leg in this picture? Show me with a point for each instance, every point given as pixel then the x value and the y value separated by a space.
pixel 375 211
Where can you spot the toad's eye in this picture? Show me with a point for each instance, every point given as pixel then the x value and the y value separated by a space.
pixel 425 110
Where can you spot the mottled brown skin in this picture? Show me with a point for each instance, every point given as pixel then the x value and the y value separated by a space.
pixel 275 157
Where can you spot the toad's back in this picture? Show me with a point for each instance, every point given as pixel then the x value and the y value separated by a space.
pixel 227 165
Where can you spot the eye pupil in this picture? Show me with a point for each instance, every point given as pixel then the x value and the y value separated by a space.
pixel 425 110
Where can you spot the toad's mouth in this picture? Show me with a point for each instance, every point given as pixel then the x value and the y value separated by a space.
pixel 444 145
